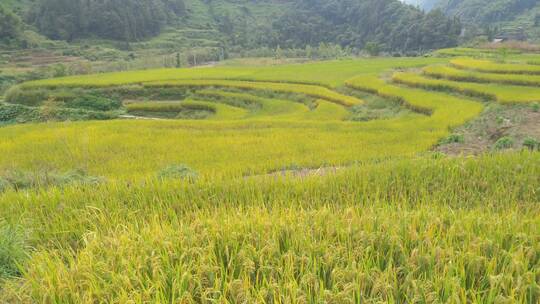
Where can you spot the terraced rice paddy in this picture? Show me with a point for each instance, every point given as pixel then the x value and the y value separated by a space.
pixel 190 207
pixel 494 67
pixel 439 71
pixel 496 92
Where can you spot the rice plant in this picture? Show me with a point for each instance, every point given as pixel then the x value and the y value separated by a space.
pixel 446 230
pixel 274 194
pixel 501 93
pixel 493 67
pixel 440 71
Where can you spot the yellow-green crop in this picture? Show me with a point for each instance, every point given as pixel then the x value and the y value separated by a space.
pixel 498 92
pixel 451 73
pixel 275 198
pixel 494 67
pixel 445 111
pixel 448 230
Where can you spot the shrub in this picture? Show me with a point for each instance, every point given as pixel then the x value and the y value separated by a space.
pixel 535 106
pixel 4 185
pixel 91 102
pixel 155 107
pixel 503 143
pixel 59 70
pixel 181 171
pixel 437 155
pixel 453 138
pixel 13 250
pixel 6 81
pixel 60 113
pixel 372 48
pixel 17 113
pixel 531 144
pixel 21 180
pixel 27 97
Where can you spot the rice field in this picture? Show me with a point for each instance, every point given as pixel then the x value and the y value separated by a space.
pixel 439 71
pixel 238 184
pixel 309 90
pixel 495 67
pixel 496 92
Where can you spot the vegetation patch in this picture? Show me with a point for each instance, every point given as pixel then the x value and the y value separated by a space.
pixel 14 250
pixel 94 103
pixel 23 180
pixel 309 90
pixel 531 144
pixel 181 172
pixel 170 110
pixel 33 97
pixel 452 139
pixel 504 143
pixel 376 107
pixel 10 114
pixel 52 111
pixel 480 135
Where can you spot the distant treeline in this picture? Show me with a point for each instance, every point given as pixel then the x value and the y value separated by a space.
pixel 386 25
pixel 354 23
pixel 126 20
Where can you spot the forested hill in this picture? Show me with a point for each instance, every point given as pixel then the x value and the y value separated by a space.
pixel 512 18
pixel 389 24
pixel 355 22
pixel 423 4
pixel 112 19
pixel 483 11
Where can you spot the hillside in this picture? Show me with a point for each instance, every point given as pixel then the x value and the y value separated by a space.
pixel 242 23
pixel 504 18
pixel 423 4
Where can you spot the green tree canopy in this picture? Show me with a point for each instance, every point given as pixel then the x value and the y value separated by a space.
pixel 10 25
pixel 126 20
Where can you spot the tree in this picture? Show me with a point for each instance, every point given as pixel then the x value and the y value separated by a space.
pixel 372 48
pixel 125 20
pixel 278 52
pixel 353 23
pixel 10 25
pixel 490 32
